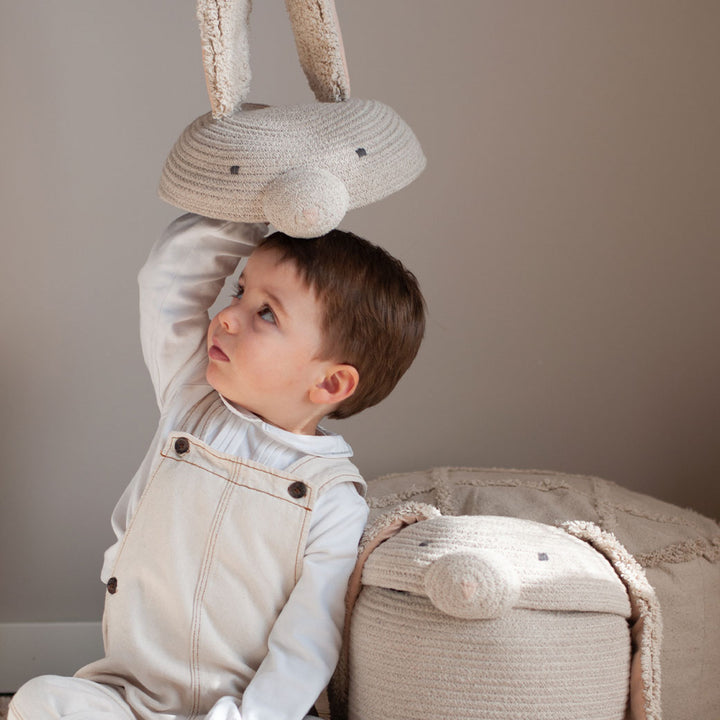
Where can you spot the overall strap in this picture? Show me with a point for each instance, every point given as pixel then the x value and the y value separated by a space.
pixel 323 473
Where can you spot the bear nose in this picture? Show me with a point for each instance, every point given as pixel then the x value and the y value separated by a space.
pixel 478 584
pixel 306 202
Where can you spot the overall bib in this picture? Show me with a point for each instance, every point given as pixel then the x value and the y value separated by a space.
pixel 207 563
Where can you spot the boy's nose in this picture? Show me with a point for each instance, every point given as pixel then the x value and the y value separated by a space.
pixel 229 320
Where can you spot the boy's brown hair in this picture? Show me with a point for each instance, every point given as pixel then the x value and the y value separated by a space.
pixel 373 310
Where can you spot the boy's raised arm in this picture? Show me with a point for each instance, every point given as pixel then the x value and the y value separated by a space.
pixel 180 281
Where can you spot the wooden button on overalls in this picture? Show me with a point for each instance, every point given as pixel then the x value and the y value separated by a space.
pixel 297 490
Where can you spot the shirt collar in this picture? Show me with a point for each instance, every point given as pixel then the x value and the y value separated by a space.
pixel 324 444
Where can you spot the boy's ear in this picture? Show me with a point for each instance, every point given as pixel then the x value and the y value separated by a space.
pixel 339 383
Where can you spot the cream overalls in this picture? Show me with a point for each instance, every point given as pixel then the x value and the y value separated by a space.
pixel 208 562
pixel 211 545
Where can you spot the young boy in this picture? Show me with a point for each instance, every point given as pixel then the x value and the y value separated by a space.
pixel 236 538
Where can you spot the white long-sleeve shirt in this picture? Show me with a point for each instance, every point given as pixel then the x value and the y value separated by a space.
pixel 181 280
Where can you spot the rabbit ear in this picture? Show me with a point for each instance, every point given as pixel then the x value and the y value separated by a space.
pixel 645 619
pixel 224 30
pixel 320 48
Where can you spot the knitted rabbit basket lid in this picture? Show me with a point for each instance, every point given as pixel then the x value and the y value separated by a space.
pixel 503 617
pixel 298 167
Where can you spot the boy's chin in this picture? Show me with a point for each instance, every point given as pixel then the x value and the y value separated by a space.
pixel 214 379
pixel 231 397
pixel 226 393
pixel 210 381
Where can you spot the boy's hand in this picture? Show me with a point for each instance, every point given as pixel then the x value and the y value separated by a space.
pixel 224 709
pixel 251 232
pixel 248 234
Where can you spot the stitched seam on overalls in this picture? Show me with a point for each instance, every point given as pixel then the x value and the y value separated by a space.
pixel 299 466
pixel 296 470
pixel 199 598
pixel 13 708
pixel 135 515
pixel 300 463
pixel 240 484
pixel 354 477
pixel 302 542
pixel 237 465
pixel 289 477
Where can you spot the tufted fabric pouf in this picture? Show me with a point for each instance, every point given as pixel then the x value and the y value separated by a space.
pixel 679 550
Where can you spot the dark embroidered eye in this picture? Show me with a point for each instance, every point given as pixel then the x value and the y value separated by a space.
pixel 543 557
pixel 235 170
pixel 361 152
pixel 425 543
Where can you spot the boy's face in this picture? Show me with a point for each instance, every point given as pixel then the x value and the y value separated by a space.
pixel 263 349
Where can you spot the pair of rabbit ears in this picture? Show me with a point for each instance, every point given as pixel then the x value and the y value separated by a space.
pixel 224 36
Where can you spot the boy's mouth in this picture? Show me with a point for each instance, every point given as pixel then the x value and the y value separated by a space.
pixel 215 353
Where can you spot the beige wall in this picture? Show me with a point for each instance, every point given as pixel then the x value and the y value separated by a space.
pixel 566 233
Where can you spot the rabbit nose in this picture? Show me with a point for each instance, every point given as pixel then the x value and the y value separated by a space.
pixel 306 202
pixel 476 585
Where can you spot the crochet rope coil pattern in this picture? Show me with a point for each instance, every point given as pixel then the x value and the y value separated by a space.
pixel 298 167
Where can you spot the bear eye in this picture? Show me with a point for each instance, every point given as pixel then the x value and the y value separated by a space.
pixel 235 170
pixel 424 543
pixel 361 152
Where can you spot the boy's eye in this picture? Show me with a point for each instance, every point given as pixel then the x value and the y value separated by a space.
pixel 267 314
pixel 239 292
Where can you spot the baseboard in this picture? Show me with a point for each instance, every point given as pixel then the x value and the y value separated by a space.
pixel 30 649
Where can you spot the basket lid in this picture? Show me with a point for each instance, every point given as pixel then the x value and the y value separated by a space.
pixel 483 566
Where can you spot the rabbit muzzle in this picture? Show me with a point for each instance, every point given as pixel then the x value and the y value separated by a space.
pixel 476 584
pixel 305 202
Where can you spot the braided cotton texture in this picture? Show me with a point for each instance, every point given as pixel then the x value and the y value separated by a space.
pixel 306 202
pixel 678 548
pixel 484 617
pixel 477 585
pixel 222 168
pixel 555 645
pixel 408 660
pixel 556 571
